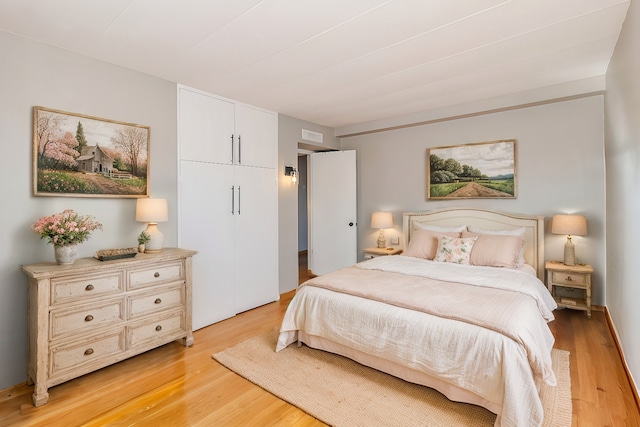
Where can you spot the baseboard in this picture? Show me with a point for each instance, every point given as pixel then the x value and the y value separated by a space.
pixel 303 253
pixel 614 334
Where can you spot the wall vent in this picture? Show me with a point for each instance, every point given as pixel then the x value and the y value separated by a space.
pixel 310 135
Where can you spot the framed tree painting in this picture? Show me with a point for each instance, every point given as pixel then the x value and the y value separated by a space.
pixel 82 156
pixel 481 170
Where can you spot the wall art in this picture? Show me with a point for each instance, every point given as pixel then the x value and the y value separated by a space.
pixel 75 155
pixel 481 170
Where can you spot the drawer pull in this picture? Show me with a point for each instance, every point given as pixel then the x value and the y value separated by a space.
pixel 568 279
pixel 89 318
pixel 88 352
pixel 156 274
pixel 89 288
pixel 157 301
pixel 158 328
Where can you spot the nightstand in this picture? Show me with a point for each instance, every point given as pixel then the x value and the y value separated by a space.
pixel 570 277
pixel 376 252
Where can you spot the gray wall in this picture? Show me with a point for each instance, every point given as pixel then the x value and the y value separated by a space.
pixel 31 75
pixel 622 118
pixel 559 162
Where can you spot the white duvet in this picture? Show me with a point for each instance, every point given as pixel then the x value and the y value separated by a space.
pixel 481 329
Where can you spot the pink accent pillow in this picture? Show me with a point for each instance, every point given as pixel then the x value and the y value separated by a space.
pixel 454 249
pixel 496 250
pixel 424 243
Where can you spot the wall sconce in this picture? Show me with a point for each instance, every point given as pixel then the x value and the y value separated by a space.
pixel 292 172
pixel 570 225
pixel 381 220
pixel 152 211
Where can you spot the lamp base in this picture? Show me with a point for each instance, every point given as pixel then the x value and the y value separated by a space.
pixel 154 245
pixel 569 252
pixel 382 241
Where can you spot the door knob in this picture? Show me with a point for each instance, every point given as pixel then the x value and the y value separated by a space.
pixel 351 224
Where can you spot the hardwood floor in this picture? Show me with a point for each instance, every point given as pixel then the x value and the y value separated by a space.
pixel 178 386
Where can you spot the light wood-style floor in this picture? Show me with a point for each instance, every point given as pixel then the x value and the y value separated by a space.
pixel 178 386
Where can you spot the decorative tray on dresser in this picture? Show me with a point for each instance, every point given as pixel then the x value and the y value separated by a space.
pixel 85 316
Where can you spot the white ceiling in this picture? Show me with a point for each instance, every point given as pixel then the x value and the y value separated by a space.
pixel 337 62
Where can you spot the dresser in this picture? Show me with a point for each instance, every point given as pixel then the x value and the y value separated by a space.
pixel 85 316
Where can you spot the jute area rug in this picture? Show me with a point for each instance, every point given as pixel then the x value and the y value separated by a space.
pixel 341 392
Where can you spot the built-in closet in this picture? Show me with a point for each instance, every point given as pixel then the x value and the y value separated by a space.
pixel 228 203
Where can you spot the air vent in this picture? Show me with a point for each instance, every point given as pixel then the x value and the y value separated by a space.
pixel 310 135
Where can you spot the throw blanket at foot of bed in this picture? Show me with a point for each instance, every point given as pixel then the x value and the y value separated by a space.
pixel 490 341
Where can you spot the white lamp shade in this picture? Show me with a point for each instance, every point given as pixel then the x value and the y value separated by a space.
pixel 381 220
pixel 571 225
pixel 152 210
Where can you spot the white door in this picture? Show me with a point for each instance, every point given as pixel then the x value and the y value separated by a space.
pixel 256 237
pixel 332 206
pixel 207 226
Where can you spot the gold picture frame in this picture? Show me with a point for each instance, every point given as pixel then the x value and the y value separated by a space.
pixel 481 170
pixel 76 155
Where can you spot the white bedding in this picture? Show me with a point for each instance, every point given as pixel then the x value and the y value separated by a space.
pixel 430 332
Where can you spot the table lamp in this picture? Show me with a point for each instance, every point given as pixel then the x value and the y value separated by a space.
pixel 575 225
pixel 152 211
pixel 381 220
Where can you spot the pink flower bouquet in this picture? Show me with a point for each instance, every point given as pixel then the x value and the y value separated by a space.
pixel 66 228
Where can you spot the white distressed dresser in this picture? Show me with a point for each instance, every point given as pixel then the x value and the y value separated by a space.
pixel 85 316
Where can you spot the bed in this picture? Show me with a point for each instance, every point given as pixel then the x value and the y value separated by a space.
pixel 472 325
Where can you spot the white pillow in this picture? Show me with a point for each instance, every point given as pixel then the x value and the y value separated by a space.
pixel 458 229
pixel 514 232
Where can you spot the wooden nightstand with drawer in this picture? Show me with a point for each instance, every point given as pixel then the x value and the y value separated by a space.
pixel 376 252
pixel 91 314
pixel 570 278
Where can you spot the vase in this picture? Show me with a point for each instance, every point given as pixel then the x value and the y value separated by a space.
pixel 141 247
pixel 65 254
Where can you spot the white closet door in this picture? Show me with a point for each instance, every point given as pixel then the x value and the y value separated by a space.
pixel 256 237
pixel 205 127
pixel 207 225
pixel 257 131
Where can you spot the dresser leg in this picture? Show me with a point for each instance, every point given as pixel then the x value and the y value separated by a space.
pixel 188 341
pixel 40 397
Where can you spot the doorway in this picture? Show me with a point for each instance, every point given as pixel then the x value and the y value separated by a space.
pixel 303 217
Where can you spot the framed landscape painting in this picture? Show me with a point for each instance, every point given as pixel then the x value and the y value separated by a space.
pixel 481 170
pixel 82 156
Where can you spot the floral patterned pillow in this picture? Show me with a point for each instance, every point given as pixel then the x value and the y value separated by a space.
pixel 453 249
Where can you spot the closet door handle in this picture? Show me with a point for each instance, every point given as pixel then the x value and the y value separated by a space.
pixel 238 200
pixel 239 150
pixel 233 199
pixel 232 149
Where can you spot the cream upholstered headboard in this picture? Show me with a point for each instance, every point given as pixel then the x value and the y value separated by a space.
pixel 488 220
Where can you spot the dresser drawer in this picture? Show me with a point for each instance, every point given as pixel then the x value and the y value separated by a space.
pixel 568 279
pixel 158 300
pixel 83 352
pixel 157 331
pixel 156 274
pixel 72 288
pixel 78 319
